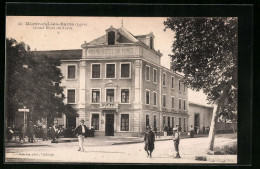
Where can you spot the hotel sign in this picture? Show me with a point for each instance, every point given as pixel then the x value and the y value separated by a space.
pixel 114 51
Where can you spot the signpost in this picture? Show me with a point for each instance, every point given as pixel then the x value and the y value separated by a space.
pixel 24 110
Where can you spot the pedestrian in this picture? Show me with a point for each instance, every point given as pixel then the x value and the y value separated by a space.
pixel 44 133
pixel 23 133
pixel 31 131
pixel 198 130
pixel 191 131
pixel 179 128
pixel 155 131
pixel 149 139
pixel 53 131
pixel 165 129
pixel 9 134
pixel 207 130
pixel 176 140
pixel 81 132
pixel 203 129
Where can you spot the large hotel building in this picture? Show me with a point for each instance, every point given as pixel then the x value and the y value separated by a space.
pixel 117 85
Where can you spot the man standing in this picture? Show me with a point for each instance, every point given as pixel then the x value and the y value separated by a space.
pixel 155 131
pixel 191 131
pixel 81 131
pixel 149 139
pixel 176 141
pixel 53 131
pixel 31 132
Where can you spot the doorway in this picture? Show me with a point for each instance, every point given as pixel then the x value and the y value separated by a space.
pixel 197 120
pixel 109 128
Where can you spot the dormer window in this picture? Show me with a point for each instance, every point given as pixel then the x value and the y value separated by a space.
pixel 111 38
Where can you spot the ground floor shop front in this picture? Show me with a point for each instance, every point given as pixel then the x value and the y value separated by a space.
pixel 129 122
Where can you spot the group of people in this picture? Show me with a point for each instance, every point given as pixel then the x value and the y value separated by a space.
pixel 149 139
pixel 196 130
pixel 33 131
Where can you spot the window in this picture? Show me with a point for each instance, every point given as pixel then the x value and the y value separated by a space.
pixel 172 82
pixel 164 79
pixel 164 120
pixel 180 123
pixel 172 121
pixel 95 121
pixel 96 71
pixel 147 97
pixel 172 102
pixel 147 73
pixel 71 96
pixel 110 70
pixel 125 70
pixel 169 121
pixel 154 98
pixel 184 124
pixel 184 105
pixel 179 103
pixel 179 85
pixel 71 72
pixel 111 38
pixel 155 75
pixel 147 123
pixel 124 122
pixel 164 100
pixel 95 95
pixel 124 95
pixel 184 88
pixel 154 121
pixel 110 95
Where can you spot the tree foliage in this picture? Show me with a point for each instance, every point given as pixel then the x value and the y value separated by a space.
pixel 205 50
pixel 33 81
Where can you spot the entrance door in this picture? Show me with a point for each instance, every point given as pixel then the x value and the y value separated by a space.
pixel 109 130
pixel 197 120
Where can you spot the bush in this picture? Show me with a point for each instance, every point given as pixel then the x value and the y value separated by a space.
pixel 201 158
pixel 228 149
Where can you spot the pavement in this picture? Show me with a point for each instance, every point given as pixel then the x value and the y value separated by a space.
pixel 92 141
pixel 104 149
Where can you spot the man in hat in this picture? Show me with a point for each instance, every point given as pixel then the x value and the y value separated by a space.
pixel 81 132
pixel 149 139
pixel 176 141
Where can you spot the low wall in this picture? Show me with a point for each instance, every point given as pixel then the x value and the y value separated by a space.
pixel 226 127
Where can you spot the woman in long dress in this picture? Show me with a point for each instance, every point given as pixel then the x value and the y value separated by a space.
pixel 149 139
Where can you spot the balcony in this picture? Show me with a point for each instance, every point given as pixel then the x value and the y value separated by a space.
pixel 109 106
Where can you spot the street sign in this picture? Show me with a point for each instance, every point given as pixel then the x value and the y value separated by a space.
pixel 23 110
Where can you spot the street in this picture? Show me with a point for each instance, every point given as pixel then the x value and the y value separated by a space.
pixel 97 152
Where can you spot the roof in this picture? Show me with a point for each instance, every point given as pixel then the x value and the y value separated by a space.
pixel 127 34
pixel 201 105
pixel 62 54
pixel 124 37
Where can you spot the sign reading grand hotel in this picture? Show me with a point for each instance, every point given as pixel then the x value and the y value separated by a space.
pixel 113 51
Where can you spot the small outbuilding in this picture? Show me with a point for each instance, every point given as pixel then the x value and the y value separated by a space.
pixel 200 116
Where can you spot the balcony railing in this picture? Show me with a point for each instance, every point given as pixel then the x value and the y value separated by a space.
pixel 109 106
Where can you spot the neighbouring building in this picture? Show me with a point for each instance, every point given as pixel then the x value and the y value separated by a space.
pixel 118 86
pixel 200 115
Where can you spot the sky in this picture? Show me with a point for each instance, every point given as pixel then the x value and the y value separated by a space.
pixel 71 32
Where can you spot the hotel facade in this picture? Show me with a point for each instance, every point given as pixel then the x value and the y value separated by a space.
pixel 117 85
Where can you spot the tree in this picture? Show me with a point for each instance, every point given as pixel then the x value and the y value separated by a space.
pixel 205 51
pixel 33 81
